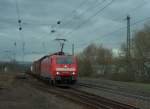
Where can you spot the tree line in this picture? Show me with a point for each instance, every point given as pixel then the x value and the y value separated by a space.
pixel 98 61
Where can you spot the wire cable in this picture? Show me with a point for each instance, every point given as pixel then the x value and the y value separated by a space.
pixel 92 16
pixel 80 5
pixel 115 31
pixel 87 10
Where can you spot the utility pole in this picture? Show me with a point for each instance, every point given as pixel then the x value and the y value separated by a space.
pixel 73 49
pixel 23 43
pixel 15 44
pixel 128 37
pixel 128 46
pixel 23 51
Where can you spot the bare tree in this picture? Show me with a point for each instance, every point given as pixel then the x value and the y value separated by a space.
pixel 141 52
pixel 104 59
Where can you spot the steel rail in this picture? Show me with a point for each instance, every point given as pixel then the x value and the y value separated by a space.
pixel 110 90
pixel 86 99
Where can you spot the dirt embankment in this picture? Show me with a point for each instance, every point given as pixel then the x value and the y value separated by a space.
pixel 18 93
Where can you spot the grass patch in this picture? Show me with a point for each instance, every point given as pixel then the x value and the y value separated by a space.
pixel 143 86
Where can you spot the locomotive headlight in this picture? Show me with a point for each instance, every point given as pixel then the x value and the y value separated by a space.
pixel 73 73
pixel 57 73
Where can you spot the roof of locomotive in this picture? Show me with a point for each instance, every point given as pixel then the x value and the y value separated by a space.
pixel 54 54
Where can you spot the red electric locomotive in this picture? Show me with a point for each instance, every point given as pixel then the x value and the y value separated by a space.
pixel 58 68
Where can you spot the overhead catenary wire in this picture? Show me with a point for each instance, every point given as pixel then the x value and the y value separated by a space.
pixel 37 23
pixel 29 23
pixel 137 7
pixel 17 9
pixel 18 15
pixel 90 17
pixel 82 13
pixel 20 29
pixel 80 5
pixel 139 21
pixel 108 35
pixel 88 9
pixel 11 20
pixel 129 12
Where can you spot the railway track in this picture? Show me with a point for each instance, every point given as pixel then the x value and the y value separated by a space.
pixel 86 99
pixel 89 100
pixel 96 101
pixel 108 89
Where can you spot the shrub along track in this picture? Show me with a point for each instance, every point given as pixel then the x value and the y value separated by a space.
pixel 86 99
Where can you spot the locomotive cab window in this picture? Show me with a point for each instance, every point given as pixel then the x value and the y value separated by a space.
pixel 64 60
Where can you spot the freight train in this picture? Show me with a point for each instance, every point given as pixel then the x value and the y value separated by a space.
pixel 58 68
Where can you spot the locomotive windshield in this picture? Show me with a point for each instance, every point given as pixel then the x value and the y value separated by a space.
pixel 64 60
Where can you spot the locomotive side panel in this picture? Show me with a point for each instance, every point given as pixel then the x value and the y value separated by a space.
pixel 45 68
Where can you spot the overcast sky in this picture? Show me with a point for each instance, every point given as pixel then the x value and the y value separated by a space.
pixel 82 22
